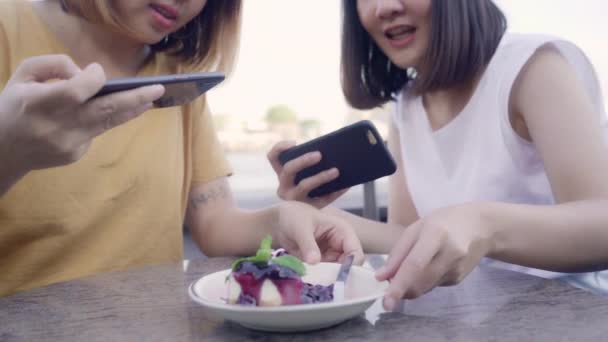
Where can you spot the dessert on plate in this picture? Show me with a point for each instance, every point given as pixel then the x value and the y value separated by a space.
pixel 273 278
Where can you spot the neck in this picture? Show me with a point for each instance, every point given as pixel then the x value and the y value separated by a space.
pixel 89 42
pixel 453 98
pixel 445 104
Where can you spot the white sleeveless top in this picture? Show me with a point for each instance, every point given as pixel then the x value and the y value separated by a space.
pixel 478 156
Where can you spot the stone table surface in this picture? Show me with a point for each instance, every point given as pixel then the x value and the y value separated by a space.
pixel 152 304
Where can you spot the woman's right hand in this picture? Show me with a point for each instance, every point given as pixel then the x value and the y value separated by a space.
pixel 48 117
pixel 288 190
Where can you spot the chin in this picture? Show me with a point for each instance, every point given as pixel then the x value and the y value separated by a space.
pixel 149 36
pixel 153 38
pixel 406 62
pixel 403 65
pixel 154 41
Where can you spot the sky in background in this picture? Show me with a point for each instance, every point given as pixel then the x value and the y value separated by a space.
pixel 290 52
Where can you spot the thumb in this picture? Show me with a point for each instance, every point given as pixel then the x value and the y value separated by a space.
pixel 274 153
pixel 400 250
pixel 308 246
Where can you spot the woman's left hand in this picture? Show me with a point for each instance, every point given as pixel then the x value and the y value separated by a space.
pixel 438 250
pixel 313 235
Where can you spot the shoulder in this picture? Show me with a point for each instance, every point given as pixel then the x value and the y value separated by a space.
pixel 533 58
pixel 514 42
pixel 514 51
pixel 554 64
pixel 538 75
pixel 527 48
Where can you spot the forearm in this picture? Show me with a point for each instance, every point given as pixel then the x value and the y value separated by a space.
pixel 236 231
pixel 376 237
pixel 569 237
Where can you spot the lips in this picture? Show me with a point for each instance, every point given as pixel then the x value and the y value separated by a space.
pixel 400 36
pixel 169 12
pixel 399 32
pixel 164 17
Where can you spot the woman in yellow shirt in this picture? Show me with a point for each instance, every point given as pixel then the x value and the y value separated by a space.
pixel 92 185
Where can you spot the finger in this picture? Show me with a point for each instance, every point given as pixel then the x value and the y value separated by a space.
pixel 117 120
pixel 307 244
pixel 44 68
pixel 457 267
pixel 292 167
pixel 120 107
pixel 399 251
pixel 428 279
pixel 413 268
pixel 277 149
pixel 351 245
pixel 308 184
pixel 331 256
pixel 452 275
pixel 78 89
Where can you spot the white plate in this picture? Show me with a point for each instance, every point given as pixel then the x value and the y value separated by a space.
pixel 362 289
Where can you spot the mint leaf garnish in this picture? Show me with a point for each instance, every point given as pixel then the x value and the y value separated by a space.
pixel 261 256
pixel 292 262
pixel 265 251
pixel 266 243
pixel 264 254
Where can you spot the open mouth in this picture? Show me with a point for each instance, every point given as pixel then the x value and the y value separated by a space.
pixel 166 12
pixel 400 32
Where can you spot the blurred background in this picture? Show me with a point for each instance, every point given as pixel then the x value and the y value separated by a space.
pixel 286 83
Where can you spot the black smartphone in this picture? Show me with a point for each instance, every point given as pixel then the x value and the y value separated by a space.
pixel 357 150
pixel 180 89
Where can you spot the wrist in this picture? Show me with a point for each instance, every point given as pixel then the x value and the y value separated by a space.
pixel 274 222
pixel 491 229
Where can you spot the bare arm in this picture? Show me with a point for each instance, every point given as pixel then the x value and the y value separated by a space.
pixel 38 129
pixel 572 235
pixel 377 237
pixel 220 228
pixel 566 129
pixel 401 208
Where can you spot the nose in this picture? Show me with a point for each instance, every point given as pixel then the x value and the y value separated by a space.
pixel 388 9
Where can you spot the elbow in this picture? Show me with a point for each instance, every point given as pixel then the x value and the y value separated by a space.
pixel 207 246
pixel 204 239
pixel 210 252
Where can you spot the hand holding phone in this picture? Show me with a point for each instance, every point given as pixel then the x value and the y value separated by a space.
pixel 357 151
pixel 180 89
pixel 62 112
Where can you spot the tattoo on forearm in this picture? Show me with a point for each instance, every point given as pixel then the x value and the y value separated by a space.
pixel 214 193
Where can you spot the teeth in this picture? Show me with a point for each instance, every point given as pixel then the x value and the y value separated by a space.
pixel 400 31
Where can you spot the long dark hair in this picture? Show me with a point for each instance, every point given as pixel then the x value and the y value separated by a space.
pixel 464 37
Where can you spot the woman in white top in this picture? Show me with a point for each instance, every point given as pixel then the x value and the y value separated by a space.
pixel 499 141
